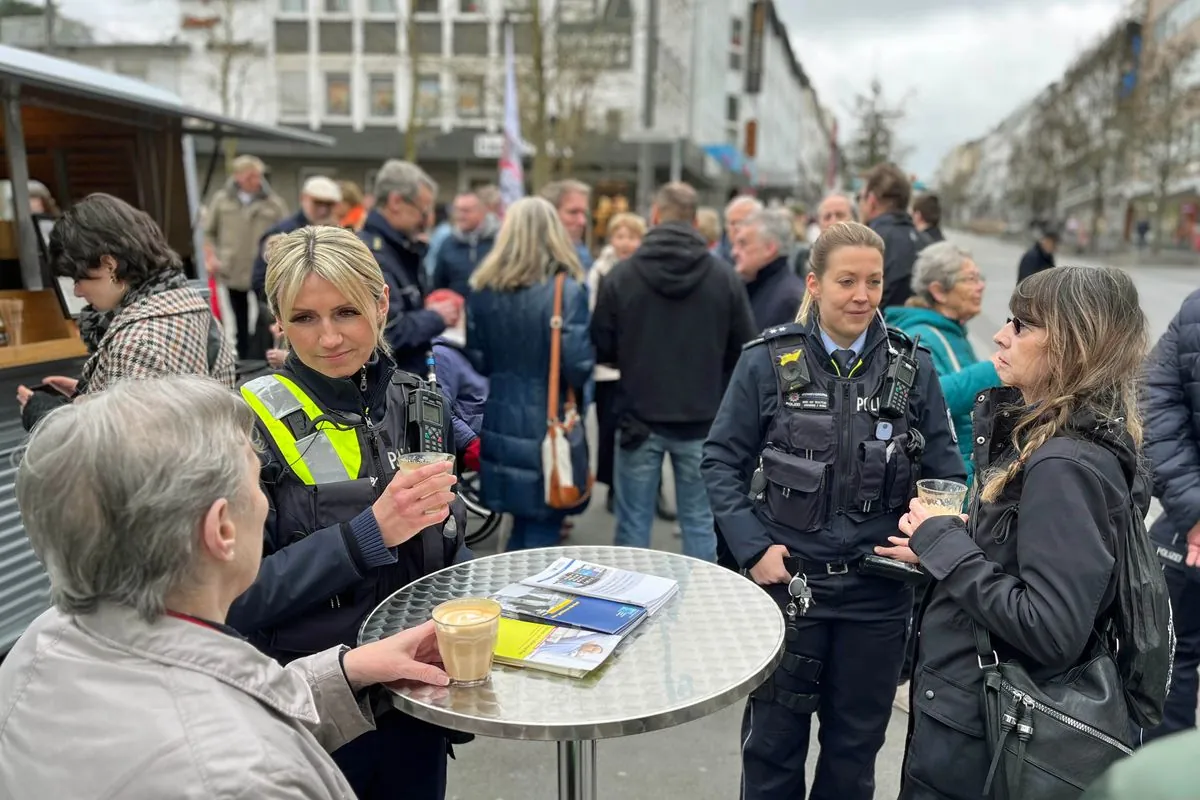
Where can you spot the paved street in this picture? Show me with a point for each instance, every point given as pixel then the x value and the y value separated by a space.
pixel 700 760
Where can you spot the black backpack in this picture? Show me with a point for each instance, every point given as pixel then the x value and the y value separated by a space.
pixel 1140 630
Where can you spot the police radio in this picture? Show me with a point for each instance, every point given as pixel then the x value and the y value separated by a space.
pixel 898 383
pixel 426 415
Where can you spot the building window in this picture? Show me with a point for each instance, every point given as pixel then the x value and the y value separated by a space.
pixel 429 97
pixel 131 68
pixel 470 96
pixel 337 6
pixel 428 6
pixel 293 6
pixel 470 6
pixel 383 95
pixel 337 94
pixel 735 33
pixel 382 6
pixel 614 121
pixel 731 108
pixel 735 62
pixel 293 93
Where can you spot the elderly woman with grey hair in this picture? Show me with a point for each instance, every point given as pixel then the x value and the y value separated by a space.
pixel 949 292
pixel 134 664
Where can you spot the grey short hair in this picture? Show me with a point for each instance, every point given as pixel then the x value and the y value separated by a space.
pixel 744 200
pixel 774 225
pixel 557 191
pixel 939 262
pixel 403 178
pixel 112 488
pixel 840 195
pixel 247 162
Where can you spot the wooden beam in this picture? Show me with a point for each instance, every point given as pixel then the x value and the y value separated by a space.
pixel 18 171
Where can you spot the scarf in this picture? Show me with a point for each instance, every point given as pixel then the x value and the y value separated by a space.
pixel 93 324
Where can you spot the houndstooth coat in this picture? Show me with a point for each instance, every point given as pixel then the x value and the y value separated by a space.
pixel 164 334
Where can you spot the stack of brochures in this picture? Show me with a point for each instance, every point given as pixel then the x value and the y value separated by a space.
pixel 570 617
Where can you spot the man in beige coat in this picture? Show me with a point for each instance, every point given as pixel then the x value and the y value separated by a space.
pixel 236 219
pixel 132 687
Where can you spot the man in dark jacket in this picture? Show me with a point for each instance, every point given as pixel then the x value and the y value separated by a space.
pixel 404 197
pixel 1041 255
pixel 884 207
pixel 927 216
pixel 760 250
pixel 673 319
pixel 1171 407
pixel 468 244
pixel 317 200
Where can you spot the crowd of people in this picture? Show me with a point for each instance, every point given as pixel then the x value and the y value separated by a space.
pixel 208 594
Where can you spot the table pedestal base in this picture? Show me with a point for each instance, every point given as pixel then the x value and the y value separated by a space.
pixel 577 770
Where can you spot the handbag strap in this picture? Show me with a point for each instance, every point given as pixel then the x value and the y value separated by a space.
pixel 985 654
pixel 556 323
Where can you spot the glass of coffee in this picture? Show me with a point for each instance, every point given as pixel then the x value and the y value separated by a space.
pixel 466 636
pixel 411 462
pixel 942 497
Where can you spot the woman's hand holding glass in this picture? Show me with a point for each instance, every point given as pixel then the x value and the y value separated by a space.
pixel 413 501
pixel 409 655
pixel 900 550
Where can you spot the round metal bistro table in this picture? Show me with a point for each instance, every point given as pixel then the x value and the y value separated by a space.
pixel 708 647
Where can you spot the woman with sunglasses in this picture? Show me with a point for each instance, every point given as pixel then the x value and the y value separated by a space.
pixel 1056 455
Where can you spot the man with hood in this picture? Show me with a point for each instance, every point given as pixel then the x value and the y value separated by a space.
pixel 884 207
pixel 469 242
pixel 673 319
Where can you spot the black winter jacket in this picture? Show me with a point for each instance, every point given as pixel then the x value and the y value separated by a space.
pixel 1036 569
pixel 775 294
pixel 673 319
pixel 1171 406
pixel 902 242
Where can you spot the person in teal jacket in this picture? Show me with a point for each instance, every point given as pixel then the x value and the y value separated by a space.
pixel 948 290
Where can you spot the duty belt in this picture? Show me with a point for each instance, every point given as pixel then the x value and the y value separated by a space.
pixel 799 566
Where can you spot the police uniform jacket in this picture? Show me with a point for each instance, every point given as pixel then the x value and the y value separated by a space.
pixel 1036 569
pixel 258 279
pixel 1171 407
pixel 836 482
pixel 325 565
pixel 410 326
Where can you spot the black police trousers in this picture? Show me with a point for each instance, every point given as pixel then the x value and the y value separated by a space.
pixel 402 759
pixel 843 670
pixel 1179 714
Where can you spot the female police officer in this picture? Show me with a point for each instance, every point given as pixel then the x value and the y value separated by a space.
pixel 809 464
pixel 344 530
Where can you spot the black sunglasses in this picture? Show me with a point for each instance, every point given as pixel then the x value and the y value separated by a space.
pixel 1017 324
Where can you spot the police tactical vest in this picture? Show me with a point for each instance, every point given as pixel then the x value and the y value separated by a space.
pixel 335 467
pixel 827 450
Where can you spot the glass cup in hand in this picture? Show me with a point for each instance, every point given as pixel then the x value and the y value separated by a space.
pixel 466 634
pixel 942 498
pixel 411 462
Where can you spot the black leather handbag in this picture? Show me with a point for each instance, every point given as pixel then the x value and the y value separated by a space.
pixel 1050 740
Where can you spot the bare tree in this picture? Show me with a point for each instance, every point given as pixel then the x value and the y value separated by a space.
pixel 1035 165
pixel 875 138
pixel 412 127
pixel 1092 124
pixel 1165 108
pixel 234 58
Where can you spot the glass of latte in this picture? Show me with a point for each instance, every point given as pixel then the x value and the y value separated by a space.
pixel 466 636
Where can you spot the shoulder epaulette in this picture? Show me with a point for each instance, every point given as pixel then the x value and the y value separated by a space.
pixel 753 343
pixel 783 330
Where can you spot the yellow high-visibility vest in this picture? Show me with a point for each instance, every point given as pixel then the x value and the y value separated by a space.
pixel 330 454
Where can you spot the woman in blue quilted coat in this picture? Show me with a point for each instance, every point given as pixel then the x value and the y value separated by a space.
pixel 508 337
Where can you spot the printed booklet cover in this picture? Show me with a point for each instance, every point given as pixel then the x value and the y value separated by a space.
pixel 607 583
pixel 564 651
pixel 534 604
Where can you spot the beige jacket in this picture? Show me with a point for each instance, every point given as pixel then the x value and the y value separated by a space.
pixel 108 707
pixel 235 230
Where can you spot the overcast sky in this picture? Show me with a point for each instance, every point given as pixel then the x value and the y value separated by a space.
pixel 962 64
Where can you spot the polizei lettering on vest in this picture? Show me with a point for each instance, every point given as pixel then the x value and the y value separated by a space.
pixel 870 404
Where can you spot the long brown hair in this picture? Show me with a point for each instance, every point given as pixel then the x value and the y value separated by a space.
pixel 1096 340
pixel 835 237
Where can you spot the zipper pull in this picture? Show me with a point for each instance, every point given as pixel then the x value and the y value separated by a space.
pixel 1008 721
pixel 362 382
